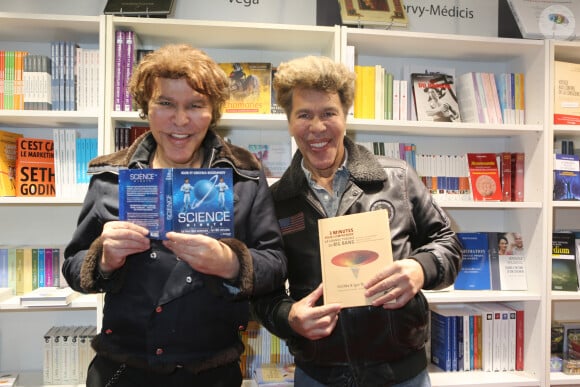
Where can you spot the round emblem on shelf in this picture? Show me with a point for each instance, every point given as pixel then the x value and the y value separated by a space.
pixel 557 22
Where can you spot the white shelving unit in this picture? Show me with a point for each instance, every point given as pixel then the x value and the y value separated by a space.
pixel 563 215
pixel 53 220
pixel 394 51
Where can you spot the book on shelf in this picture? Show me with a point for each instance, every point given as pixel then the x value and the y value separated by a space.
pixel 48 296
pixel 126 136
pixel 157 8
pixel 564 272
pixel 35 167
pixel 352 249
pixel 475 272
pixel 566 93
pixel 434 97
pixel 484 176
pixel 185 200
pixel 518 176
pixel 566 177
pixel 508 261
pixel 444 338
pixel 8 146
pixel 274 375
pixel 5 293
pixel 274 107
pixel 36 78
pixel 250 87
pixel 470 100
pixel 389 13
pixel 275 158
pixel 8 379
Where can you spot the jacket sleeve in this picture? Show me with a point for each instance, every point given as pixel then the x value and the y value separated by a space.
pixel 82 253
pixel 435 245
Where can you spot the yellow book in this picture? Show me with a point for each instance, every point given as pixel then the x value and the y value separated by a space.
pixel 250 87
pixel 353 248
pixel 8 162
pixel 368 101
pixel 19 266
pixel 27 270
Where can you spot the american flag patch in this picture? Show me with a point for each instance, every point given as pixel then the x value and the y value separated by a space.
pixel 292 224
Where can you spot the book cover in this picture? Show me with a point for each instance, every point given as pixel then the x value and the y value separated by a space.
pixel 48 296
pixel 8 145
pixel 566 93
pixel 564 275
pixel 147 8
pixel 443 338
pixel 434 97
pixel 379 13
pixel 518 176
pixel 512 262
pixel 274 107
pixel 35 167
pixel 275 158
pixel 475 272
pixel 274 375
pixel 471 104
pixel 352 249
pixel 250 87
pixel 192 201
pixel 566 177
pixel 484 176
pixel 506 176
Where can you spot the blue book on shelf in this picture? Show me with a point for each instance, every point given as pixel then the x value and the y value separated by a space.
pixel 475 270
pixel 566 177
pixel 443 340
pixel 189 200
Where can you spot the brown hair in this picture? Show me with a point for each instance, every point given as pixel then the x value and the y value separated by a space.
pixel 313 72
pixel 176 61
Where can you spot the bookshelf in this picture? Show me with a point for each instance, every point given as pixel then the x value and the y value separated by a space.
pixel 54 218
pixel 562 215
pixel 394 50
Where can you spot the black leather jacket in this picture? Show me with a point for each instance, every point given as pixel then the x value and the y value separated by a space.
pixel 158 311
pixel 419 229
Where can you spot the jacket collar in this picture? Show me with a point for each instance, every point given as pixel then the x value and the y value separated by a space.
pixel 361 164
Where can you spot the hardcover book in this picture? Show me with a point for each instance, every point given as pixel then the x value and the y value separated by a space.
pixel 566 177
pixel 48 296
pixel 389 13
pixel 250 87
pixel 353 248
pixel 484 176
pixel 189 200
pixel 8 144
pixel 564 274
pixel 566 93
pixel 475 272
pixel 434 97
pixel 35 167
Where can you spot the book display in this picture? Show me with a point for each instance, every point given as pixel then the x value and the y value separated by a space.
pixel 244 42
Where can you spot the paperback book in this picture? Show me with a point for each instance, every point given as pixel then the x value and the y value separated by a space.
pixel 35 167
pixel 389 13
pixel 566 177
pixel 475 273
pixel 250 87
pixel 484 176
pixel 188 200
pixel 434 97
pixel 566 93
pixel 352 249
pixel 48 296
pixel 564 274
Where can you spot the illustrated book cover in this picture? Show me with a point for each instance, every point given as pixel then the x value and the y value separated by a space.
pixel 250 87
pixel 35 173
pixel 275 158
pixel 8 144
pixel 146 8
pixel 188 200
pixel 507 254
pixel 353 248
pixel 375 13
pixel 484 176
pixel 566 177
pixel 434 97
pixel 564 274
pixel 475 272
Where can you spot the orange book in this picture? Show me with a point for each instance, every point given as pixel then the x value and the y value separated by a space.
pixel 35 167
pixel 19 79
pixel 8 162
pixel 484 176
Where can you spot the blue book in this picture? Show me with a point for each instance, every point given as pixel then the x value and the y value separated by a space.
pixel 475 270
pixel 442 339
pixel 189 200
pixel 566 177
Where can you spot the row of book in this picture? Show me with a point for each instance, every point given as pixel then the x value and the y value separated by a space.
pixel 470 176
pixel 565 347
pixel 492 261
pixel 125 136
pixel 478 336
pixel 25 268
pixel 37 167
pixel 262 348
pixel 67 353
pixel 65 80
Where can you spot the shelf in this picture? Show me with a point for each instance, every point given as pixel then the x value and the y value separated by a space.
pixel 481 379
pixel 84 301
pixel 473 296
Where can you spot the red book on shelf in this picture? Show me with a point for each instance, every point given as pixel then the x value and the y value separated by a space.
pixel 518 168
pixel 484 176
pixel 506 176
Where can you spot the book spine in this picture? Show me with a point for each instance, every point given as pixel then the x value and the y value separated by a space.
pixel 518 176
pixel 118 93
pixel 129 59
